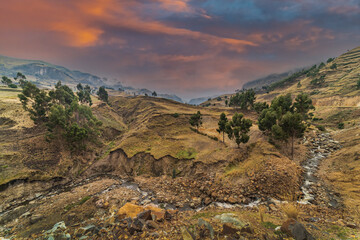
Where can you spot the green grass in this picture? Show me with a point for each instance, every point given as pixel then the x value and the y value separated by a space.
pixel 80 202
pixel 269 225
pixel 189 153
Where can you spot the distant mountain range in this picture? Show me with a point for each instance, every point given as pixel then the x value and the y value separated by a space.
pixel 198 101
pixel 47 75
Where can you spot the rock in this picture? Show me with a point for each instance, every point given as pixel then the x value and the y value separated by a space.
pixel 145 215
pixel 167 216
pixel 228 229
pixel 351 225
pixel 35 218
pixel 206 229
pixel 247 229
pixel 100 203
pixel 230 218
pixel 129 210
pixel 232 200
pixel 296 230
pixel 136 226
pixel 151 225
pixel 186 234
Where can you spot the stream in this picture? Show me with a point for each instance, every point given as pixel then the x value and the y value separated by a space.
pixel 321 147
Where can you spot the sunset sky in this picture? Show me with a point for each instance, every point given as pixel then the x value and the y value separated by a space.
pixel 191 48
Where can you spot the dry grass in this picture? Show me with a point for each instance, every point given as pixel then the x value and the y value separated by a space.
pixel 291 210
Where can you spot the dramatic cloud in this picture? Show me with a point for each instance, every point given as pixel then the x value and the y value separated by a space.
pixel 189 47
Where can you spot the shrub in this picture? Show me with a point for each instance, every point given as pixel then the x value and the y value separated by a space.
pixel 358 84
pixel 341 125
pixel 218 98
pixel 175 115
pixel 333 66
pixel 291 211
pixel 11 85
pixel 321 128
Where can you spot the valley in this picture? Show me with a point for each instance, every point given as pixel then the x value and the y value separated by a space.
pixel 152 175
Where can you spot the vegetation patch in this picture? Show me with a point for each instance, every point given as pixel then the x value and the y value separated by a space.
pixel 189 153
pixel 80 202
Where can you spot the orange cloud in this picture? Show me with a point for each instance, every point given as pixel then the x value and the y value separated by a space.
pixel 78 35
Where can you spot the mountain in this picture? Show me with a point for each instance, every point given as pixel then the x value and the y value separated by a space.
pixel 44 73
pixel 198 101
pixel 264 81
pixel 47 75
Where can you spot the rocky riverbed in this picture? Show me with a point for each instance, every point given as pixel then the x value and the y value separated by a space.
pixel 313 189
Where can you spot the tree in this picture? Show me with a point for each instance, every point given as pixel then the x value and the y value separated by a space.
pixel 84 94
pixel 284 120
pixel 333 66
pixel 5 80
pixel 266 120
pixel 303 104
pixel 358 84
pixel 222 125
pixel 282 104
pixel 322 64
pixel 330 60
pixel 154 94
pixel 238 128
pixel 21 78
pixel 36 102
pixel 61 112
pixel 103 94
pixel 226 102
pixel 244 100
pixel 293 127
pixel 260 106
pixel 196 120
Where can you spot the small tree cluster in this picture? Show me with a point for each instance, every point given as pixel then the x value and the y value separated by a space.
pixel 333 66
pixel 244 100
pixel 358 84
pixel 103 94
pixel 285 120
pixel 318 82
pixel 60 111
pixel 236 129
pixel 260 106
pixel 196 120
pixel 84 94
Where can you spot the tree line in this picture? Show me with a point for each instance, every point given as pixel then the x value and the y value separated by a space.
pixel 283 120
pixel 65 114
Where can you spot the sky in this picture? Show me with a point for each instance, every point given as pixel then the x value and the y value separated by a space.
pixel 192 48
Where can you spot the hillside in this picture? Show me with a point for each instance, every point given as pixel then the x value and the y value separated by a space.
pixel 327 85
pixel 267 80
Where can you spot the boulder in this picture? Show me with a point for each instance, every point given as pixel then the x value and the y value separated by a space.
pixel 145 215
pixel 296 230
pixel 229 229
pixel 129 210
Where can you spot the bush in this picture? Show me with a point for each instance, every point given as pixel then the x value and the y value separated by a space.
pixel 333 66
pixel 175 115
pixel 341 125
pixel 291 211
pixel 321 128
pixel 218 98
pixel 11 85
